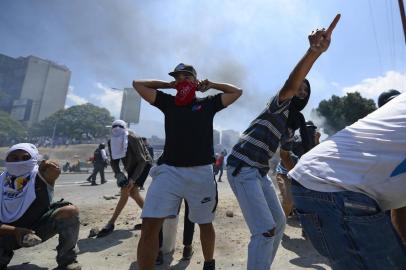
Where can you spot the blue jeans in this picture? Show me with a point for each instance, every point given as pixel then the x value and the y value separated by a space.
pixel 262 212
pixel 349 229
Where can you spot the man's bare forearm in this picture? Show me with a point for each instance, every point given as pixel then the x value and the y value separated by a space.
pixel 299 73
pixel 7 229
pixel 287 160
pixel 154 84
pixel 399 221
pixel 226 88
pixel 302 68
pixel 319 41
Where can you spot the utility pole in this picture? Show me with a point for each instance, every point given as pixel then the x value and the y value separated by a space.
pixel 402 16
pixel 53 135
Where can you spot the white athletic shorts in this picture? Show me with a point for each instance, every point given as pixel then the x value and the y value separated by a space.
pixel 172 184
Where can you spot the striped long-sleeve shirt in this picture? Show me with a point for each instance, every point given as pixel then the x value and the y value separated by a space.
pixel 261 139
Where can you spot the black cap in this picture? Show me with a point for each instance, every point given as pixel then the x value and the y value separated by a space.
pixel 102 146
pixel 183 68
pixel 387 96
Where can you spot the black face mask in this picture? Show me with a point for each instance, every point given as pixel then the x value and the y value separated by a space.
pixel 299 104
pixel 296 119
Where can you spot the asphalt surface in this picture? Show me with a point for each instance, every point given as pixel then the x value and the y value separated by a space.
pixel 118 250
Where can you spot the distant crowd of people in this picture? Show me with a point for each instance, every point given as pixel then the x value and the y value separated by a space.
pixel 57 141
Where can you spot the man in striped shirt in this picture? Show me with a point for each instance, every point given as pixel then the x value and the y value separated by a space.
pixel 248 163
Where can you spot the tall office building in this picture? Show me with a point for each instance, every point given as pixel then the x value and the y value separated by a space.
pixel 31 88
pixel 216 137
pixel 130 106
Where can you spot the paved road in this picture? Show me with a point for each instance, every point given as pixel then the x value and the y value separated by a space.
pixel 117 251
pixel 73 186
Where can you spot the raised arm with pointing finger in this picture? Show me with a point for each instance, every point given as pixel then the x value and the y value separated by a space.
pixel 248 163
pixel 319 40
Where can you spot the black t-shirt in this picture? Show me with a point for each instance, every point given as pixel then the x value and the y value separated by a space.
pixel 98 158
pixel 188 129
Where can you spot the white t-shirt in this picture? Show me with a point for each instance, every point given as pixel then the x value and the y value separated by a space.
pixel 103 154
pixel 368 157
pixel 16 196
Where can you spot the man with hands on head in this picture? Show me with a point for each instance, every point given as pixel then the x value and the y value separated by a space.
pixel 184 170
pixel 248 163
pixel 27 214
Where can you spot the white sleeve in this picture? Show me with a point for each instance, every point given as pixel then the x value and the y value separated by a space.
pixel 103 153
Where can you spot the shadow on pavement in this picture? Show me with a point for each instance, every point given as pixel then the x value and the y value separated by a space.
pixel 134 266
pixel 99 244
pixel 26 266
pixel 307 255
pixel 181 265
pixel 293 221
pixel 86 184
pixel 168 258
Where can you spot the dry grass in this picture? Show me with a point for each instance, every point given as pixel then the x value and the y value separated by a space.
pixel 63 153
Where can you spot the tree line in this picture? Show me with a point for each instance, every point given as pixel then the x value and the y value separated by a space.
pixel 92 120
pixel 71 123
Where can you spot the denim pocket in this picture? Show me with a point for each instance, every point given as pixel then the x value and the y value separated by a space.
pixel 246 174
pixel 313 228
pixel 357 205
pixel 377 242
pixel 360 219
pixel 354 209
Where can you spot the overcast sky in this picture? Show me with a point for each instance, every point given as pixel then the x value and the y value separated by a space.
pixel 253 44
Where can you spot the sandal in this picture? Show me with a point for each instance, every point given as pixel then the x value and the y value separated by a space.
pixel 109 228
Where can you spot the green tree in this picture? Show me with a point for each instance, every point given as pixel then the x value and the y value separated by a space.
pixel 5 101
pixel 10 130
pixel 75 121
pixel 340 112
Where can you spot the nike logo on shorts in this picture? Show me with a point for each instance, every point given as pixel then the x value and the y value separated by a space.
pixel 205 200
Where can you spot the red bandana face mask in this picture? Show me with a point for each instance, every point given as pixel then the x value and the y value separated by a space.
pixel 186 92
